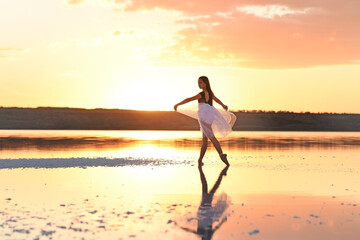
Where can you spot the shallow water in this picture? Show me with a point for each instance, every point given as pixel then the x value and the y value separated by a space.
pixel 146 185
pixel 161 144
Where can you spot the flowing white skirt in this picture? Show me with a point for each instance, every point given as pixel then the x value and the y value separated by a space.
pixel 213 122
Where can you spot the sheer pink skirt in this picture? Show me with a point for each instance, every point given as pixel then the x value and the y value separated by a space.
pixel 213 122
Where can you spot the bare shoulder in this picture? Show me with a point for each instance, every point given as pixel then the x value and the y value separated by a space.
pixel 197 96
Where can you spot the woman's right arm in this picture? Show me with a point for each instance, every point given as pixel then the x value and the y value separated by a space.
pixel 187 100
pixel 219 102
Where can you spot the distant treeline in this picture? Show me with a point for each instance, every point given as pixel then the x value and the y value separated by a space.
pixel 117 119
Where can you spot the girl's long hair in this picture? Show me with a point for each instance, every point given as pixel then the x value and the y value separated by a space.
pixel 208 87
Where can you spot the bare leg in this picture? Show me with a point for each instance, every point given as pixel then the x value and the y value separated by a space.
pixel 216 145
pixel 219 150
pixel 203 149
pixel 215 142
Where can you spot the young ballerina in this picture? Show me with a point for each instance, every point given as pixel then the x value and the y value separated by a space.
pixel 210 119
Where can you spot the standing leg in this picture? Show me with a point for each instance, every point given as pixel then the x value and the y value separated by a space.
pixel 209 132
pixel 203 149
pixel 216 144
pixel 219 150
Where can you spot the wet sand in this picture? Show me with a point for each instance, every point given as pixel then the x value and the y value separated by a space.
pixel 160 202
pixel 267 193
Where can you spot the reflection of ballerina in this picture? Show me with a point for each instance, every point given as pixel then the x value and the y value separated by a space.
pixel 211 120
pixel 207 214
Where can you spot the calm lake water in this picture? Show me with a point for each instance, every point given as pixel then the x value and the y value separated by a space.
pixel 169 145
pixel 146 185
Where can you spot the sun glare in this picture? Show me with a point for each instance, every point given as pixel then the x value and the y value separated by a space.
pixel 141 95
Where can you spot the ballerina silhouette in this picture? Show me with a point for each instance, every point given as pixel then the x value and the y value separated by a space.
pixel 208 214
pixel 211 121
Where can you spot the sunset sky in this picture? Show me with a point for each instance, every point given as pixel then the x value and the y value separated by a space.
pixel 295 55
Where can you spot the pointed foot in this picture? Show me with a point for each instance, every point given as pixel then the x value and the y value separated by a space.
pixel 224 171
pixel 224 159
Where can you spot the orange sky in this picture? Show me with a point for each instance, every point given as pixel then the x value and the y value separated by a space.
pixel 271 55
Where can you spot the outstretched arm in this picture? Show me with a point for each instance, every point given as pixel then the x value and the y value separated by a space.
pixel 187 100
pixel 219 102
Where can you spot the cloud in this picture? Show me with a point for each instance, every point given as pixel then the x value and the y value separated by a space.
pixel 117 4
pixel 8 52
pixel 260 33
pixel 11 49
pixel 270 11
pixel 96 42
pixel 132 33
pixel 57 44
pixel 75 2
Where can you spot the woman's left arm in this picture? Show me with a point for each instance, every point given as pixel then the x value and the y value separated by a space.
pixel 219 102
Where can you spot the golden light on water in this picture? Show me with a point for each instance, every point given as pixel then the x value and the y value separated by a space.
pixel 257 163
pixel 111 184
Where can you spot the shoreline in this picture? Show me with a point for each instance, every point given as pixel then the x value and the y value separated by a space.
pixel 115 119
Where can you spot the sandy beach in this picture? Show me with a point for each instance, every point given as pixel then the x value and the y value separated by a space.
pixel 151 188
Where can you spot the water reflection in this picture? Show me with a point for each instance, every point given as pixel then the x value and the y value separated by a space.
pixel 210 217
pixel 172 146
pixel 57 140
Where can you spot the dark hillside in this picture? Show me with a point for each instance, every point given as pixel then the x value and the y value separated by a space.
pixel 115 119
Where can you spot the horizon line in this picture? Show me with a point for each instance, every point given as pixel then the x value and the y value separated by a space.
pixel 231 110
